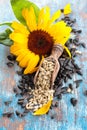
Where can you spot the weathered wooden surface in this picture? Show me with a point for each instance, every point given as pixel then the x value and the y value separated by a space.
pixel 68 117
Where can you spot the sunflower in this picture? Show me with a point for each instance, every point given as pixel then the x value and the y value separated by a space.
pixel 36 39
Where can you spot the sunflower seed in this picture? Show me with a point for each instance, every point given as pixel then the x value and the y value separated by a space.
pixel 83 45
pixel 78 52
pixel 73 101
pixel 19 114
pixel 11 57
pixel 8 114
pixel 10 64
pixel 79 31
pixel 85 92
pixel 7 102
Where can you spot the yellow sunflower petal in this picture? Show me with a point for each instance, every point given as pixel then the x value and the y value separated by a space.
pixel 14 48
pixel 66 35
pixel 67 9
pixel 19 37
pixel 20 28
pixel 60 32
pixel 22 55
pixel 18 46
pixel 55 16
pixel 24 12
pixel 32 64
pixel 18 52
pixel 29 16
pixel 35 69
pixel 67 50
pixel 57 30
pixel 44 109
pixel 44 17
pixel 24 61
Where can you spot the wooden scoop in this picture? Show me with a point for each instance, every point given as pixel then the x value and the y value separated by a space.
pixel 57 51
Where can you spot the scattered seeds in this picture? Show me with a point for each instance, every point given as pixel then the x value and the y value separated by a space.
pixel 19 114
pixel 8 114
pixel 85 92
pixel 78 52
pixel 19 72
pixel 70 86
pixel 7 103
pixel 78 82
pixel 73 101
pixel 83 45
pixel 79 31
pixel 10 64
pixel 59 96
pixel 11 57
pixel 52 117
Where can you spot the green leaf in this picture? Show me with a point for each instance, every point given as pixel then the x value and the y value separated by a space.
pixel 8 31
pixel 6 42
pixel 7 23
pixel 18 5
pixel 4 38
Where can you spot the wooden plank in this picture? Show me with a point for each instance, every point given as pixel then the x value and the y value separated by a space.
pixel 67 116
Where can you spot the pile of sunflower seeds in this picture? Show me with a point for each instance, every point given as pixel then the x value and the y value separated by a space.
pixel 45 74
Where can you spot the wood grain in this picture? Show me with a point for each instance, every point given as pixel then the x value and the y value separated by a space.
pixel 67 116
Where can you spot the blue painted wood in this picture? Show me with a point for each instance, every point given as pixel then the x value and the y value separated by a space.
pixel 67 116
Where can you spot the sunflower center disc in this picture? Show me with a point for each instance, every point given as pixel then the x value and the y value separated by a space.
pixel 40 42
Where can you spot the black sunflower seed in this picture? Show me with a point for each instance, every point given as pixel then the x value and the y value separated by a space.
pixel 62 10
pixel 79 72
pixel 65 79
pixel 20 87
pixel 47 113
pixel 71 40
pixel 69 76
pixel 19 114
pixel 7 102
pixel 76 66
pixel 19 72
pixel 74 30
pixel 66 62
pixel 64 90
pixel 17 91
pixel 85 92
pixel 73 101
pixel 74 20
pixel 56 104
pixel 8 114
pixel 79 31
pixel 20 101
pixel 11 57
pixel 70 86
pixel 77 84
pixel 83 45
pixel 10 64
pixel 52 117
